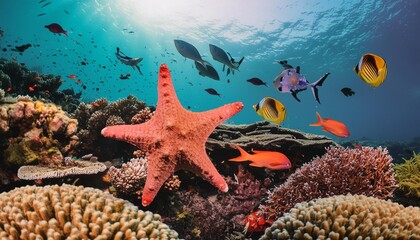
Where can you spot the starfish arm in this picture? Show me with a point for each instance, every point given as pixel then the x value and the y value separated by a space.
pixel 167 98
pixel 159 169
pixel 212 118
pixel 128 133
pixel 200 164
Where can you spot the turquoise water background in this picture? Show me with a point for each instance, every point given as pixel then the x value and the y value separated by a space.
pixel 320 36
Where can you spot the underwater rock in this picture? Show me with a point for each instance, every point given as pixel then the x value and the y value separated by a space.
pixel 296 145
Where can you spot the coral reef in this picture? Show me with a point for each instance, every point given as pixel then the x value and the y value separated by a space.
pixel 203 213
pixel 174 138
pixel 71 212
pixel 364 170
pixel 347 217
pixel 94 117
pixel 408 175
pixel 16 79
pixel 35 132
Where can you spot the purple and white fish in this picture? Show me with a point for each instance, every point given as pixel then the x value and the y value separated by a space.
pixel 291 81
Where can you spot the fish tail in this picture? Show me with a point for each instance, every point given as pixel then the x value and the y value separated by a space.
pixel 319 82
pixel 65 33
pixel 319 122
pixel 243 157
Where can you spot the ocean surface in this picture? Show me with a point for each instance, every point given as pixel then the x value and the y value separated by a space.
pixel 319 36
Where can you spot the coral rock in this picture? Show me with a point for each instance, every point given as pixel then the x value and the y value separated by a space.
pixel 347 217
pixel 174 138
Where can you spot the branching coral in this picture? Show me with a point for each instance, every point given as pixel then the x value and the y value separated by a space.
pixel 130 178
pixel 366 171
pixel 211 215
pixel 70 212
pixel 408 175
pixel 94 117
pixel 347 217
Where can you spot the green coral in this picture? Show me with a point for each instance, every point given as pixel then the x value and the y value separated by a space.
pixel 408 175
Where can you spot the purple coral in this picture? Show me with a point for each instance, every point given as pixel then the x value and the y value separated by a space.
pixel 363 170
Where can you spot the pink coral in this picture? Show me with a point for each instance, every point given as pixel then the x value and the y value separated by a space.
pixel 366 171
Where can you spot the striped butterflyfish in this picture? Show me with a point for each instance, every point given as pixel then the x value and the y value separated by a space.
pixel 372 69
pixel 271 109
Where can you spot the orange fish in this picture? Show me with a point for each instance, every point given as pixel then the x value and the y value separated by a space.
pixel 32 88
pixel 267 159
pixel 72 76
pixel 78 81
pixel 95 104
pixel 9 89
pixel 332 126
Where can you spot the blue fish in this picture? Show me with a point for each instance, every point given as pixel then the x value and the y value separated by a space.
pixel 187 50
pixel 291 81
pixel 206 70
pixel 220 55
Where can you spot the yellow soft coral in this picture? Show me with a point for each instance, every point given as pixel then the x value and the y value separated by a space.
pixel 408 175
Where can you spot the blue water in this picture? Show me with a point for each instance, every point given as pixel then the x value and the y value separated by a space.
pixel 320 36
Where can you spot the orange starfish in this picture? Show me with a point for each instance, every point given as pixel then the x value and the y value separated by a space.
pixel 174 138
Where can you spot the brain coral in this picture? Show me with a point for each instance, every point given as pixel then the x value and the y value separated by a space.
pixel 347 217
pixel 75 212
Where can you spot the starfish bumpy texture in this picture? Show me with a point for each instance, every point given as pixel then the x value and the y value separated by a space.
pixel 174 138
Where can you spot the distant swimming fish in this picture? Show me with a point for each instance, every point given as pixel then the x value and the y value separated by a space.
pixel 291 81
pixel 22 48
pixel 187 50
pixel 212 91
pixel 133 62
pixel 372 69
pixel 256 81
pixel 347 91
pixel 56 28
pixel 207 70
pixel 220 55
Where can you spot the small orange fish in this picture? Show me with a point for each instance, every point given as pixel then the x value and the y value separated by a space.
pixel 255 222
pixel 47 91
pixel 8 89
pixel 32 88
pixel 78 81
pixel 267 159
pixel 95 104
pixel 72 76
pixel 332 126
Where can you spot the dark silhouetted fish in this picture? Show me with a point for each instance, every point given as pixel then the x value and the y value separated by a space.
pixel 207 70
pixel 220 55
pixel 41 14
pixel 212 91
pixel 22 48
pixel 347 92
pixel 187 50
pixel 257 81
pixel 56 28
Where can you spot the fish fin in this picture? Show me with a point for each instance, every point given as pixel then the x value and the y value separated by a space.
pixel 223 67
pixel 319 122
pixel 294 94
pixel 228 71
pixel 139 69
pixel 356 69
pixel 65 33
pixel 255 164
pixel 240 61
pixel 241 158
pixel 319 82
pixel 298 69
